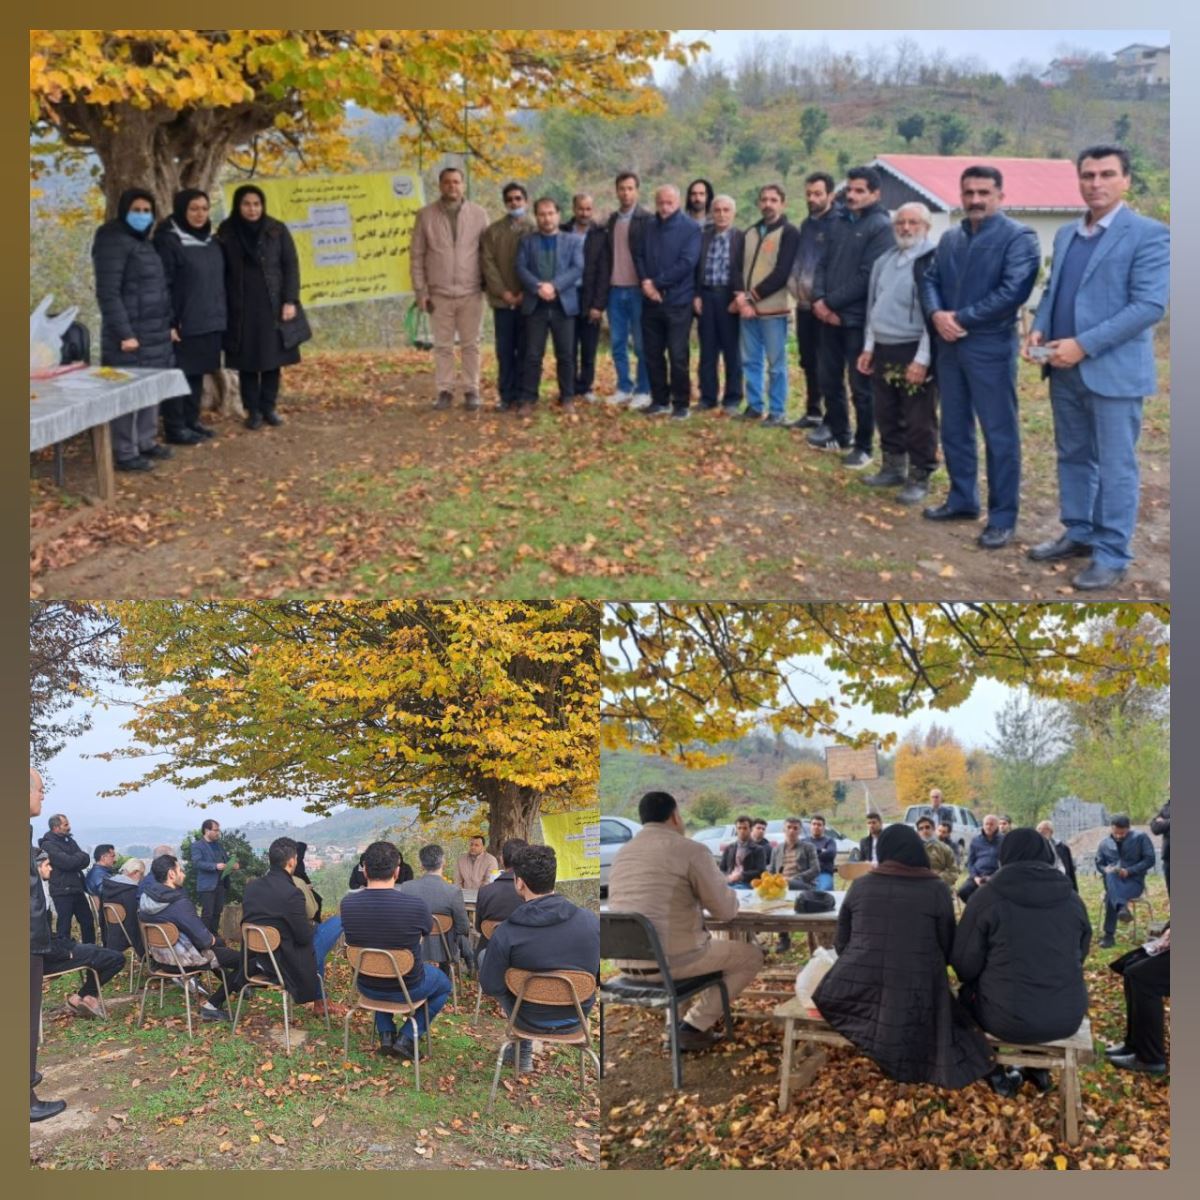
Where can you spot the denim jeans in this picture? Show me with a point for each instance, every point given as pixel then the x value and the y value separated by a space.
pixel 1096 440
pixel 324 937
pixel 765 338
pixel 624 319
pixel 824 881
pixel 434 987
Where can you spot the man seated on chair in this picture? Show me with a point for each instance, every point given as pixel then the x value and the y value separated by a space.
pixel 446 900
pixel 163 901
pixel 104 858
pixel 743 860
pixel 124 888
pixel 793 858
pixel 670 879
pixel 65 952
pixel 547 933
pixel 381 917
pixel 941 857
pixel 826 849
pixel 1146 972
pixel 497 900
pixel 1122 859
pixel 275 901
pixel 983 857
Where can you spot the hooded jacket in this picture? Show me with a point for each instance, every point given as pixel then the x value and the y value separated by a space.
pixel 131 290
pixel 1019 951
pixel 39 913
pixel 160 904
pixel 548 933
pixel 120 889
pixel 67 863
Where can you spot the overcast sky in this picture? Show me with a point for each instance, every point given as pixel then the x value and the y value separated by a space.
pixel 1000 48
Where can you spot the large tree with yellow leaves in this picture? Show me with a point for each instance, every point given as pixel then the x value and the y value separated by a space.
pixel 443 707
pixel 166 108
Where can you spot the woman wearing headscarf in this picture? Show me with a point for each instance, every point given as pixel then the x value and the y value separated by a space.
pixel 135 318
pixel 195 269
pixel 888 992
pixel 1020 947
pixel 262 286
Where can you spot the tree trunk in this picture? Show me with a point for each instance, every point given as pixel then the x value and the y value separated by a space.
pixel 512 811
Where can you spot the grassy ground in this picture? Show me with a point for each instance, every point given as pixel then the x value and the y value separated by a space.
pixel 852 1116
pixel 366 490
pixel 149 1098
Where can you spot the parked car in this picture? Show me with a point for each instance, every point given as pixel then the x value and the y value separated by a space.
pixel 614 833
pixel 964 824
pixel 718 837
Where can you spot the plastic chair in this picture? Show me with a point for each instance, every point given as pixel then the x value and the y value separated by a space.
pixel 264 939
pixel 567 989
pixel 114 916
pixel 631 936
pixel 487 928
pixel 163 937
pixel 387 964
pixel 443 925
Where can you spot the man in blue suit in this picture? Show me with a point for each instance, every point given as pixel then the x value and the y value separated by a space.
pixel 550 268
pixel 1094 337
pixel 981 274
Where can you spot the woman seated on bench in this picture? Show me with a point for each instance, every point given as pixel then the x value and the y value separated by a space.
pixel 1019 952
pixel 888 992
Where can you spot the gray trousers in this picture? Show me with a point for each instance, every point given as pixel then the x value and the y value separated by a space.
pixel 134 432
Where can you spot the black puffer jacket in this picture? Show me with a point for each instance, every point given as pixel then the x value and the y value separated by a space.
pixel 1019 951
pixel 67 863
pixel 131 289
pixel 194 265
pixel 847 256
pixel 39 914
pixel 888 992
pixel 281 270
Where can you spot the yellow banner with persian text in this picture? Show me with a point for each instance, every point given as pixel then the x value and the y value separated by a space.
pixel 352 232
pixel 575 837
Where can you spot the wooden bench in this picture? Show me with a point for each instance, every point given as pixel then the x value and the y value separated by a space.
pixel 811 1033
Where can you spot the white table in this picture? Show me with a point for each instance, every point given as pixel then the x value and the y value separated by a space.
pixel 82 402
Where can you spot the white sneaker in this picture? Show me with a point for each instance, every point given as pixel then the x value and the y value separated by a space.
pixel 618 398
pixel 640 400
pixel 590 397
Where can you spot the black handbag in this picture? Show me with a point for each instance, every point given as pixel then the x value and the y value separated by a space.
pixel 814 901
pixel 292 333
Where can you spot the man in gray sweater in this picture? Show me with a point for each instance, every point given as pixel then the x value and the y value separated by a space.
pixel 897 355
pixel 444 898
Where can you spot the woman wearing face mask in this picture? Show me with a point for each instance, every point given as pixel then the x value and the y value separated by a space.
pixel 262 285
pixel 135 318
pixel 195 269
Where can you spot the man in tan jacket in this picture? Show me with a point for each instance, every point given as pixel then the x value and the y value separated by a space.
pixel 447 281
pixel 672 880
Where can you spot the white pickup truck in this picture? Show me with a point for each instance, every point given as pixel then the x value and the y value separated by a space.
pixel 964 825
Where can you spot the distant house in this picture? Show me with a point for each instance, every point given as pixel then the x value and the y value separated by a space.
pixel 1140 63
pixel 1061 70
pixel 1040 192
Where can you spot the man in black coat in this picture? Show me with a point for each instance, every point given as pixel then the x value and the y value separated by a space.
pixel 587 330
pixel 1146 973
pixel 39 945
pixel 743 860
pixel 67 891
pixel 1061 851
pixel 275 901
pixel 857 236
pixel 1161 826
pixel 868 847
pixel 497 900
pixel 124 888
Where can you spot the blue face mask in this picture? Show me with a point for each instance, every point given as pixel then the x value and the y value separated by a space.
pixel 139 221
pixel 517 213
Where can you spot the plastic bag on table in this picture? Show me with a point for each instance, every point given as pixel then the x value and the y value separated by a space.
pixel 811 975
pixel 45 338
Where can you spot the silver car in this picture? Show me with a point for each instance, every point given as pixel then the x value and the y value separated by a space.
pixel 614 833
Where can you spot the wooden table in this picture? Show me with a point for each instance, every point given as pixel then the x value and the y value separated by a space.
pixel 83 402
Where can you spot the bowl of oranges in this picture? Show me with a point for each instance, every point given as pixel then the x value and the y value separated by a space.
pixel 769 886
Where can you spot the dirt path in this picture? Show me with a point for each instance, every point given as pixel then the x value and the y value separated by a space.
pixel 366 491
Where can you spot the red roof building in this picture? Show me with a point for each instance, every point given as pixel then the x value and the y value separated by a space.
pixel 1030 184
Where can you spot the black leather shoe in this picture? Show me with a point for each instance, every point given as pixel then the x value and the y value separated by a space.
pixel 254 421
pixel 37 1078
pixel 134 464
pixel 203 431
pixel 40 1110
pixel 184 437
pixel 1131 1062
pixel 1106 943
pixel 1039 1077
pixel 158 451
pixel 695 1039
pixel 944 512
pixel 994 539
pixel 1061 547
pixel 273 419
pixel 1118 1051
pixel 1096 576
pixel 402 1048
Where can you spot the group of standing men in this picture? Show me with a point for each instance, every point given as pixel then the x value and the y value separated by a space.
pixel 893 329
